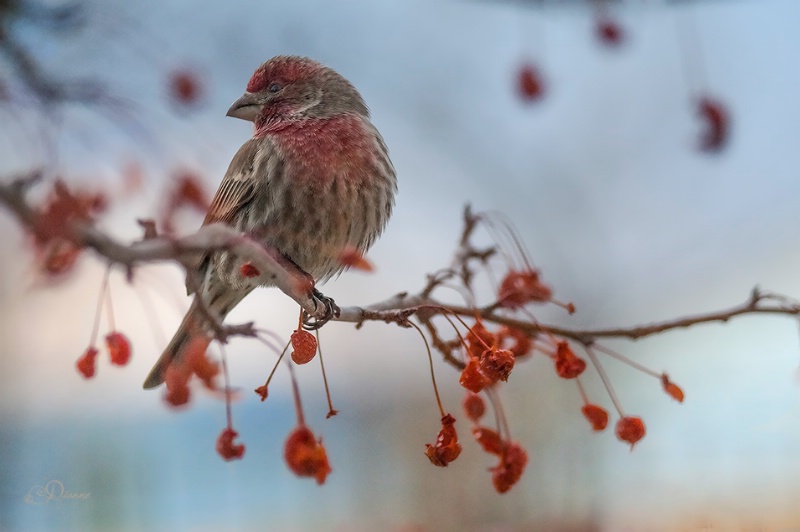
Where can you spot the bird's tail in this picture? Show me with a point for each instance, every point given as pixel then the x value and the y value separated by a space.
pixel 193 327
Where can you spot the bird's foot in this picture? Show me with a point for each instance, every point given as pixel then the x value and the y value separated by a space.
pixel 311 323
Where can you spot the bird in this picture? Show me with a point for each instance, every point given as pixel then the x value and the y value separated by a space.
pixel 314 180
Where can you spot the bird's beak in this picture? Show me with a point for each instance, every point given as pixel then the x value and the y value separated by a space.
pixel 247 107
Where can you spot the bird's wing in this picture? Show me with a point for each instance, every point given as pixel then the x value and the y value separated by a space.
pixel 237 188
pixel 239 184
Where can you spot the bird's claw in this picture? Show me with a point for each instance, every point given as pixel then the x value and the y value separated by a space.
pixel 311 323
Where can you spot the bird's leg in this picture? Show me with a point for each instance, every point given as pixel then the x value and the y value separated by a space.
pixel 332 310
pixel 312 323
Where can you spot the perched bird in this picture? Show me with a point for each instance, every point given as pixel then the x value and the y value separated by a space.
pixel 314 180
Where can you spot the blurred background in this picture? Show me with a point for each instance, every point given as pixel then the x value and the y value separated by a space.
pixel 583 122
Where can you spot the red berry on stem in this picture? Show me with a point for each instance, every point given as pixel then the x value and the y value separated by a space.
pixel 119 349
pixel 509 470
pixel 226 448
pixel 630 429
pixel 568 365
pixel 85 364
pixel 596 415
pixel 305 346
pixel 489 440
pixel 446 449
pixel 305 456
pixel 471 377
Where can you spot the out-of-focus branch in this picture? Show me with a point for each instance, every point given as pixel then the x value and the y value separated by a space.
pixel 47 89
pixel 184 250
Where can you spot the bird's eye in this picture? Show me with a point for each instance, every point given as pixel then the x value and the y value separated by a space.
pixel 275 87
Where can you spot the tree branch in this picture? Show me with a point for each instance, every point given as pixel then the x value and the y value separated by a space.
pixel 402 306
pixel 275 270
pixel 272 267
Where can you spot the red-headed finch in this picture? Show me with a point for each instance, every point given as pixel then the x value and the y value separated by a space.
pixel 314 180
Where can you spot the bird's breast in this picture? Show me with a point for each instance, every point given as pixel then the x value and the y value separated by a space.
pixel 335 191
pixel 319 150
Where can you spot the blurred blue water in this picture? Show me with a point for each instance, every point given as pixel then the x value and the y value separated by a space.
pixel 163 474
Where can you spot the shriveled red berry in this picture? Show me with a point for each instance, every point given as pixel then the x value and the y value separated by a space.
pixel 56 250
pixel 474 406
pixel 597 416
pixel 471 377
pixel 305 456
pixel 249 271
pixel 64 206
pixel 58 256
pixel 672 389
pixel 119 349
pixel 197 362
pixel 568 365
pixel 509 470
pixel 262 392
pixel 479 339
pixel 305 346
pixel 226 448
pixel 176 381
pixel 446 449
pixel 489 440
pixel 496 364
pixel 520 287
pixel 351 257
pixel 85 364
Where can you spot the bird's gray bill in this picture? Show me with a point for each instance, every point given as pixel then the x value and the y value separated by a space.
pixel 247 107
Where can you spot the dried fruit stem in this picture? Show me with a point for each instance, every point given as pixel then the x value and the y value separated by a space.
pixel 331 411
pixel 430 360
pixel 277 363
pixel 584 397
pixel 627 361
pixel 500 415
pixel 604 377
pixel 103 288
pixel 298 405
pixel 226 377
pixel 109 303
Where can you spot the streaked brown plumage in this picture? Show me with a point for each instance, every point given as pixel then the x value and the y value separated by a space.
pixel 315 179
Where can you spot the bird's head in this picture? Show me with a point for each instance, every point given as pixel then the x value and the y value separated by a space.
pixel 295 88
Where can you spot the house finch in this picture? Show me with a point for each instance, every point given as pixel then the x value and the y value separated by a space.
pixel 314 180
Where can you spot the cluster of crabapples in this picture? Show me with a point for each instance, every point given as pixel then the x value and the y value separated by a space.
pixel 490 347
pixel 304 453
pixel 57 253
pixel 489 358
